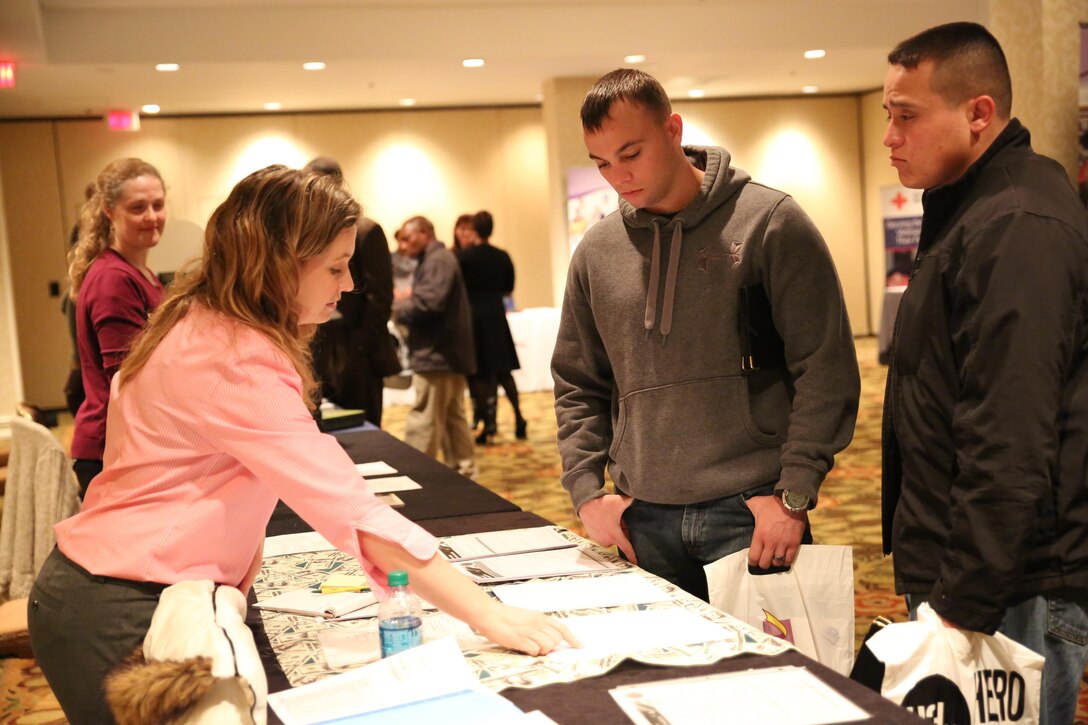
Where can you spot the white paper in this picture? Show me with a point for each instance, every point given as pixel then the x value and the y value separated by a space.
pixel 630 632
pixel 582 593
pixel 431 670
pixel 372 611
pixel 390 499
pixel 753 697
pixel 495 543
pixel 512 567
pixel 374 468
pixel 315 604
pixel 295 544
pixel 345 647
pixel 391 484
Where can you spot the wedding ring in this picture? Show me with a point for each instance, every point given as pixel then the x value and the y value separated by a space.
pixel 778 558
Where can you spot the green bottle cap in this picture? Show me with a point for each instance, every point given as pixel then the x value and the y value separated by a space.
pixel 398 578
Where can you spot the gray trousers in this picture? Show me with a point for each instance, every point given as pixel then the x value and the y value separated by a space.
pixel 81 627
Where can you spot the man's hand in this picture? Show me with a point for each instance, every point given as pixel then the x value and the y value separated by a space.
pixel 402 293
pixel 777 534
pixel 603 519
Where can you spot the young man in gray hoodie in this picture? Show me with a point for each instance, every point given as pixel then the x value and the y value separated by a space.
pixel 704 353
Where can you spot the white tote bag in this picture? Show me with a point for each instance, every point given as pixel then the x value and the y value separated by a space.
pixel 950 675
pixel 811 605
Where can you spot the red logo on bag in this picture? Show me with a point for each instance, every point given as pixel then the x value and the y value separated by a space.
pixel 776 627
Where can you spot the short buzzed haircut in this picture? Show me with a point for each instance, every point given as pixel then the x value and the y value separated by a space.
pixel 624 84
pixel 968 62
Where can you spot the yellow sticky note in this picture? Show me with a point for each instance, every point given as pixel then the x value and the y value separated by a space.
pixel 344 583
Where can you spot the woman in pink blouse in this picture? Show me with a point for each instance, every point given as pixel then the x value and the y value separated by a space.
pixel 208 426
pixel 113 289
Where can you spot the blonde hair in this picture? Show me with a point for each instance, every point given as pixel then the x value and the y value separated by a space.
pixel 272 221
pixel 95 228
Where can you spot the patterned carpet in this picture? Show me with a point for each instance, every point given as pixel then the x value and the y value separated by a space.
pixel 527 473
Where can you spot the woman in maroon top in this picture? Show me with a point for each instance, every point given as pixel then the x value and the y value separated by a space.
pixel 113 289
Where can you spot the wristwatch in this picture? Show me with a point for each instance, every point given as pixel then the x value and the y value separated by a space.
pixel 793 501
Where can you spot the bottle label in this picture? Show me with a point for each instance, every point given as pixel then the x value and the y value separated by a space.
pixel 400 634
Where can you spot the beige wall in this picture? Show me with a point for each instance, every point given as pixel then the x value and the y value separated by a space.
pixel 35 249
pixel 10 374
pixel 399 163
pixel 878 172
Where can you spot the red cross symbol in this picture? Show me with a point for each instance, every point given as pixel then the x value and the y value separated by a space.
pixel 899 200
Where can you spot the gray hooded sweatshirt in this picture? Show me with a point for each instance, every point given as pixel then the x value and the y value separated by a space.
pixel 647 365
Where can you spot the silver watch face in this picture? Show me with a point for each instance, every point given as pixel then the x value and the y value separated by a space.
pixel 794 501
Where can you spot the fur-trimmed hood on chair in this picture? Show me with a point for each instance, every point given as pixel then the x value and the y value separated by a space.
pixel 198 665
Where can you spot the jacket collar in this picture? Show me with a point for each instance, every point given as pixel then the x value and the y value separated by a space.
pixel 941 202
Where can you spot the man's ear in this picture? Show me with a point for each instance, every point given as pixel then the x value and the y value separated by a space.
pixel 981 112
pixel 674 125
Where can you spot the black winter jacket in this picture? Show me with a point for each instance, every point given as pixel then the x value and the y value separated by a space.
pixel 986 410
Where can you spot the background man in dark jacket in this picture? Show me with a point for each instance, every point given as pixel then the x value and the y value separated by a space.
pixel 353 352
pixel 441 352
pixel 986 412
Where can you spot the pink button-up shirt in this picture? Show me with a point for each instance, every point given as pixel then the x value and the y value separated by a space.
pixel 200 444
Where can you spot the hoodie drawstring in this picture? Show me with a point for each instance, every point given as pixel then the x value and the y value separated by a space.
pixel 650 317
pixel 670 279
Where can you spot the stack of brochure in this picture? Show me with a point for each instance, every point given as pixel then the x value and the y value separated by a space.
pixel 502 556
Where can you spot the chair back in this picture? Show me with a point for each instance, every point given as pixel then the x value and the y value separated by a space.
pixel 40 491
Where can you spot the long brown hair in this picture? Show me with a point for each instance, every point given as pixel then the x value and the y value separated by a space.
pixel 95 228
pixel 273 220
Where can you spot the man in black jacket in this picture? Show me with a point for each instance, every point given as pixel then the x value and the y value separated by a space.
pixel 441 352
pixel 986 410
pixel 353 352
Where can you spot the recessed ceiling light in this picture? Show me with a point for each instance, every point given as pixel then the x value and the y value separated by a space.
pixel 273 106
pixel 634 59
pixel 696 93
pixel 407 101
pixel 473 62
pixel 167 67
pixel 150 108
pixel 813 54
pixel 313 65
pixel 810 89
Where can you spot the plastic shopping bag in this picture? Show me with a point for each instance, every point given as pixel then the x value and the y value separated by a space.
pixel 954 676
pixel 811 605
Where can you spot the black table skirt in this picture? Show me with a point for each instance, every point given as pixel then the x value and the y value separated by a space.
pixel 444 493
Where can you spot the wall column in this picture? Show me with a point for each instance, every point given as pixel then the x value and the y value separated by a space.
pixel 1041 39
pixel 563 129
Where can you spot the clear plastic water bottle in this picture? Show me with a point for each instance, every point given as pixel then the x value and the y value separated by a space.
pixel 400 616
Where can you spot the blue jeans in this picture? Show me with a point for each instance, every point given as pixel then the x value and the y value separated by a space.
pixel 1054 625
pixel 675 542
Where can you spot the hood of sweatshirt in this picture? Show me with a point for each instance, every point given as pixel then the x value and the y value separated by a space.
pixel 720 183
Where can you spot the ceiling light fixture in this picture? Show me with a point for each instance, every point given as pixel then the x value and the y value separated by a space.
pixel 638 58
pixel 696 93
pixel 810 89
pixel 814 54
pixel 273 106
pixel 407 101
pixel 150 108
pixel 313 65
pixel 473 62
pixel 167 67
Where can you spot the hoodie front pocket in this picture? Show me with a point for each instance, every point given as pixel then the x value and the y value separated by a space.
pixel 687 435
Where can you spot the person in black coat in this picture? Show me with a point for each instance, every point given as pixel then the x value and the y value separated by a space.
pixel 354 351
pixel 489 277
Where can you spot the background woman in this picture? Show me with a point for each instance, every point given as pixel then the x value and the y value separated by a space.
pixel 464 233
pixel 489 276
pixel 210 427
pixel 114 291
